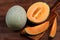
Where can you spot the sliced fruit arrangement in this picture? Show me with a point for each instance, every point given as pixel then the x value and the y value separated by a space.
pixel 40 28
pixel 38 12
pixel 37 29
pixel 53 29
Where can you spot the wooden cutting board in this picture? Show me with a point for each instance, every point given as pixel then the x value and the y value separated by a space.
pixel 7 34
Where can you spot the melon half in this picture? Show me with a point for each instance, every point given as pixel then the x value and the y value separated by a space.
pixel 37 29
pixel 38 12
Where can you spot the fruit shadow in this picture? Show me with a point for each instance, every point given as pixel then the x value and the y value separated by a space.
pixel 49 38
pixel 30 23
pixel 26 36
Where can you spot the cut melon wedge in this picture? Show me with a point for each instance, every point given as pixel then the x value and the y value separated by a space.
pixel 54 27
pixel 35 37
pixel 37 29
pixel 38 12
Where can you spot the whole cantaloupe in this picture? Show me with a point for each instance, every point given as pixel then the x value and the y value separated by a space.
pixel 16 17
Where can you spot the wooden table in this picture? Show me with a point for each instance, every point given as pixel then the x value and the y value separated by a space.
pixel 7 34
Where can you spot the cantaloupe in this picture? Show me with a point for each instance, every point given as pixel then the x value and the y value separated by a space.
pixel 16 17
pixel 38 12
pixel 37 29
pixel 54 28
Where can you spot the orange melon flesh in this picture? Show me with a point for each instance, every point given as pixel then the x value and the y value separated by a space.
pixel 38 12
pixel 37 29
pixel 54 27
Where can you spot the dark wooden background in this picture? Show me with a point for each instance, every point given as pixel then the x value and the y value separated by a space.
pixel 6 34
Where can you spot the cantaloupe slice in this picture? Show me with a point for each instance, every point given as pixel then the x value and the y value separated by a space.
pixel 38 12
pixel 54 27
pixel 35 37
pixel 37 29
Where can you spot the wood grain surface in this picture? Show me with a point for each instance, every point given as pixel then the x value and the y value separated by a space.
pixel 7 34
